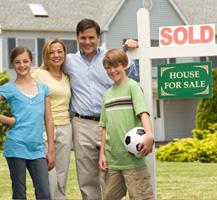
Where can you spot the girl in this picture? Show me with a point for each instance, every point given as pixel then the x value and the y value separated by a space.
pixel 50 72
pixel 23 147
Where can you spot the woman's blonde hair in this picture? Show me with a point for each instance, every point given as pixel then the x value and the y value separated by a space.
pixel 46 53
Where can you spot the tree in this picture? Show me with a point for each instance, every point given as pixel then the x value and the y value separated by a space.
pixel 207 107
pixel 4 109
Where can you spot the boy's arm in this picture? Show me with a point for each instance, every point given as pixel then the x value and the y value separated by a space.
pixel 48 121
pixel 102 158
pixel 7 120
pixel 145 147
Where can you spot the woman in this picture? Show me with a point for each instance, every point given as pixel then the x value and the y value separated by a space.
pixel 50 72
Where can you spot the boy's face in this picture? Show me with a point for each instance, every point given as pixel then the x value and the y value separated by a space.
pixel 117 74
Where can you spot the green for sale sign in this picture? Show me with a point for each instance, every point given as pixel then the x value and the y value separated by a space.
pixel 185 80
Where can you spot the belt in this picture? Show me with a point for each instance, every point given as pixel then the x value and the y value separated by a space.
pixel 95 118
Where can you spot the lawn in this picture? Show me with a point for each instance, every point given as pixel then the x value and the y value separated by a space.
pixel 176 181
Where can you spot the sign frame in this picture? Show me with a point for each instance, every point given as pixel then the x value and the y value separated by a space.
pixel 185 80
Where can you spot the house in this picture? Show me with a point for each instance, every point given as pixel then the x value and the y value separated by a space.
pixel 33 22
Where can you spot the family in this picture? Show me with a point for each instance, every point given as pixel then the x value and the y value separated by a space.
pixel 81 98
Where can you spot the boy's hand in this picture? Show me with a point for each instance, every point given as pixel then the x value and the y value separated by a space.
pixel 103 163
pixel 146 146
pixel 50 161
pixel 131 44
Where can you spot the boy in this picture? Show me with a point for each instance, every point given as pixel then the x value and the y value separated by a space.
pixel 123 108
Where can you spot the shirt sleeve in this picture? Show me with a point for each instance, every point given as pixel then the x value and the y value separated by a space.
pixel 138 99
pixel 5 91
pixel 47 90
pixel 133 70
pixel 102 122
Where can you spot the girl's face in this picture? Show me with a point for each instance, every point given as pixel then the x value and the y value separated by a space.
pixel 22 64
pixel 57 55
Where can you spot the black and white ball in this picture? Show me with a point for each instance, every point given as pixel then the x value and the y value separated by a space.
pixel 133 139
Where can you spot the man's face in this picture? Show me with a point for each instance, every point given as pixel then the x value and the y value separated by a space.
pixel 88 41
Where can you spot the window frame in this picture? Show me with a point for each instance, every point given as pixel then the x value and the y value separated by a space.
pixel 35 53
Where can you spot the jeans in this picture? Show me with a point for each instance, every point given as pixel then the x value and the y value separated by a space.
pixel 38 171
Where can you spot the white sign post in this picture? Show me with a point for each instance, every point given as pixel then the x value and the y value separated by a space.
pixel 145 53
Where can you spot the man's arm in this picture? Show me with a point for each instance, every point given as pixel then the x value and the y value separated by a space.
pixel 133 70
pixel 131 44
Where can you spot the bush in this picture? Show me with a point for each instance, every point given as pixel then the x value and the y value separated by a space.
pixel 182 150
pixel 4 110
pixel 207 107
pixel 202 148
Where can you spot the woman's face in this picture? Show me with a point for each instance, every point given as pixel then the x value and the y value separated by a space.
pixel 57 55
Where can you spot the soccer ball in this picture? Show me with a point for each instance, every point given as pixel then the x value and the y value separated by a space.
pixel 133 139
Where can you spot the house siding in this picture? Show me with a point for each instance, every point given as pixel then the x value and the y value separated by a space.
pixel 162 14
pixel 124 25
pixel 179 118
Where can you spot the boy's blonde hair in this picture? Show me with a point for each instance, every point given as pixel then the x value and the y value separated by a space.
pixel 115 57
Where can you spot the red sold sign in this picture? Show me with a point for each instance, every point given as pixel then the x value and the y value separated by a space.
pixel 187 35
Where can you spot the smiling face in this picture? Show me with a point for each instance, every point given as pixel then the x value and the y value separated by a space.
pixel 117 74
pixel 22 64
pixel 56 55
pixel 115 62
pixel 88 41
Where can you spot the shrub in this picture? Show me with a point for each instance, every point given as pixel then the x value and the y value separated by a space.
pixel 206 109
pixel 182 150
pixel 4 109
pixel 202 148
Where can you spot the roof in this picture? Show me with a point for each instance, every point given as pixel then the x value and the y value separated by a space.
pixel 62 15
pixel 198 11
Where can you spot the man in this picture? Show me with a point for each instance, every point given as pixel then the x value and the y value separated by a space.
pixel 89 81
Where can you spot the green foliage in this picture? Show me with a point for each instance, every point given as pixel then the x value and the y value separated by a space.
pixel 183 150
pixel 4 109
pixel 207 107
pixel 207 149
pixel 202 148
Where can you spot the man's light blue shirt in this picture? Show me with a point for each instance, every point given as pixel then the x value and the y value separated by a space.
pixel 89 81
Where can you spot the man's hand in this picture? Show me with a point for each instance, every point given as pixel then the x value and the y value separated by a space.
pixel 130 43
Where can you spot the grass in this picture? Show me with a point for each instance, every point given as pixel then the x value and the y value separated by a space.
pixel 186 181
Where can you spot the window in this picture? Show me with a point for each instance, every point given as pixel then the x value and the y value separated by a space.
pixel 34 45
pixel 38 10
pixel 155 62
pixel 30 44
pixel 71 46
pixel 158 108
pixel 213 59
